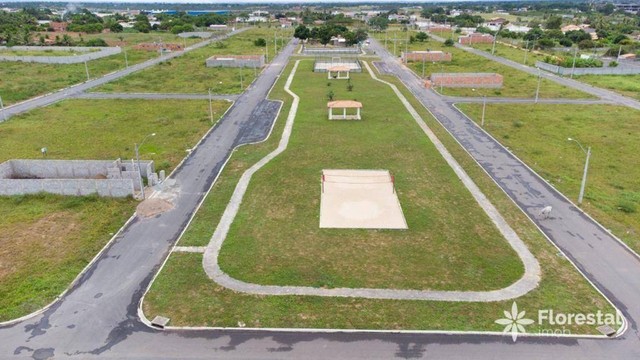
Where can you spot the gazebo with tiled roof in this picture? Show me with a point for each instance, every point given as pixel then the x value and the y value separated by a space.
pixel 344 105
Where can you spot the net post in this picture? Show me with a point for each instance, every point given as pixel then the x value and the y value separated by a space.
pixel 393 184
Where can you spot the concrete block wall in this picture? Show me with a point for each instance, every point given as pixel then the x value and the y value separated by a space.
pixel 73 177
pixel 72 187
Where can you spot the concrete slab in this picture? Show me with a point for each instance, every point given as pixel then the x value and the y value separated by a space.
pixel 360 199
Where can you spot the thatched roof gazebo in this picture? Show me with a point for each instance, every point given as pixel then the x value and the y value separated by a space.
pixel 344 105
pixel 338 72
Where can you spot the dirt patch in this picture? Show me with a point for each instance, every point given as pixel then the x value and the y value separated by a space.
pixel 153 207
pixel 46 236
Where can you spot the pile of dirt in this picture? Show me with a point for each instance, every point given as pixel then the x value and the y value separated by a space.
pixel 152 207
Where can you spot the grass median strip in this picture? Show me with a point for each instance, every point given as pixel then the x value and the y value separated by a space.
pixel 183 292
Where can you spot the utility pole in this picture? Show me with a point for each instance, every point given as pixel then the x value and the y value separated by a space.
pixel 538 87
pixel 4 113
pixel 526 52
pixel 619 52
pixel 573 67
pixel 484 108
pixel 86 70
pixel 266 52
pixel 241 87
pixel 126 60
pixel 275 41
pixel 423 61
pixel 210 107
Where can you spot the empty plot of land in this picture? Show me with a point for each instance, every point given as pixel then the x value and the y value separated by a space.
pixel 360 199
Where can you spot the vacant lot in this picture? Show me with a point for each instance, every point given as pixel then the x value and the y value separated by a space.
pixel 627 85
pixel 46 240
pixel 516 83
pixel 21 81
pixel 188 74
pixel 538 135
pixel 185 294
pixel 108 129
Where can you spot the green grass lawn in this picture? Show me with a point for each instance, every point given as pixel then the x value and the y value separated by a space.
pixel 538 135
pixel 108 129
pixel 516 83
pixel 627 85
pixel 184 293
pixel 46 240
pixel 513 53
pixel 188 74
pixel 21 81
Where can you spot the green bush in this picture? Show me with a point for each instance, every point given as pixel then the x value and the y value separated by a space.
pixel 260 42
pixel 448 42
pixel 627 206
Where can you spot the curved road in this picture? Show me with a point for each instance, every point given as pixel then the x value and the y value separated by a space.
pixel 97 317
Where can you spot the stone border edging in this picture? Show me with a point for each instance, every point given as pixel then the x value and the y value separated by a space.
pixel 525 284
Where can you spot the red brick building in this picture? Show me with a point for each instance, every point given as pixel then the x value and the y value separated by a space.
pixel 476 38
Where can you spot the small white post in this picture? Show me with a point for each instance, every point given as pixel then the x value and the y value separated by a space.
pixel 4 113
pixel 358 113
pixel 210 107
pixel 538 87
pixel 344 113
pixel 484 108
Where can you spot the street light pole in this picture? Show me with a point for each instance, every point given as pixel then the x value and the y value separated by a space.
pixel 126 60
pixel 423 61
pixel 573 67
pixel 526 52
pixel 137 147
pixel 586 168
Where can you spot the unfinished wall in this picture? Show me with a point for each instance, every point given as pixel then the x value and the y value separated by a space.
pixel 74 177
pixel 466 80
pixel 249 61
pixel 89 54
pixel 476 38
pixel 432 56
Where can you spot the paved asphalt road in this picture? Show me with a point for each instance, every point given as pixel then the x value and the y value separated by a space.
pixel 80 88
pixel 607 95
pixel 155 96
pixel 98 316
